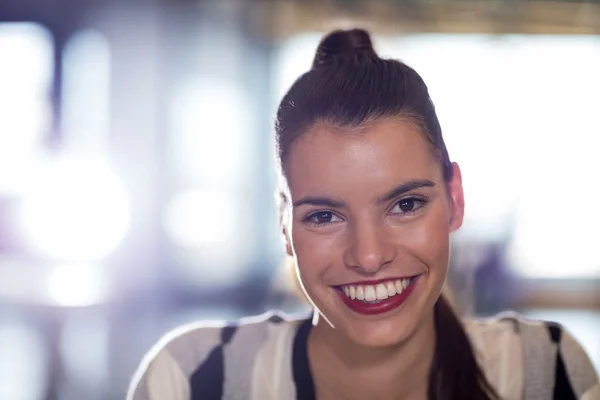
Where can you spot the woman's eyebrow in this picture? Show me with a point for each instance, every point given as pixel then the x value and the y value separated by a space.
pixel 323 201
pixel 403 188
pixel 319 201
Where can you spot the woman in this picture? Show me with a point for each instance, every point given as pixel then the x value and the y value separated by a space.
pixel 369 199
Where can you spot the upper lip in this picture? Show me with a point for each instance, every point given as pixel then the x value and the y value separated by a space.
pixel 378 281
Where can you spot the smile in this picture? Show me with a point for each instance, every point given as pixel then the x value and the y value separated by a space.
pixel 377 298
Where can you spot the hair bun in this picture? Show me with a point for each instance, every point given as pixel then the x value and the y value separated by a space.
pixel 344 43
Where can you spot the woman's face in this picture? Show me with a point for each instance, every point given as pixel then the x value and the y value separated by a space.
pixel 369 226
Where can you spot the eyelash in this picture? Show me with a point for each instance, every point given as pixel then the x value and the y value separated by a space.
pixel 309 218
pixel 420 202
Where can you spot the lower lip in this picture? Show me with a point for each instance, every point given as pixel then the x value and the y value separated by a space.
pixel 382 306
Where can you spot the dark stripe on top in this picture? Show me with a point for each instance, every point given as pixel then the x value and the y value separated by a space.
pixel 206 383
pixel 555 331
pixel 305 389
pixel 227 334
pixel 562 388
pixel 562 385
pixel 208 379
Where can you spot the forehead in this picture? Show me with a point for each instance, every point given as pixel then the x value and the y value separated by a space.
pixel 336 161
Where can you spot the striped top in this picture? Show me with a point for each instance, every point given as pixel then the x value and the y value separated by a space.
pixel 265 357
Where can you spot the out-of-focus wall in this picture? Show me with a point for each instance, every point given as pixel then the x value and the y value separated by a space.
pixel 137 179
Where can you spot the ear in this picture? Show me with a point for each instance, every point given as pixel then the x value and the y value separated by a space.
pixel 284 224
pixel 457 199
pixel 286 238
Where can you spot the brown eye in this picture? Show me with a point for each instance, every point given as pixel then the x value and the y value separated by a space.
pixel 323 218
pixel 409 205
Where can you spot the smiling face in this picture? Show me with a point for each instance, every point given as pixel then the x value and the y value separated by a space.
pixel 370 206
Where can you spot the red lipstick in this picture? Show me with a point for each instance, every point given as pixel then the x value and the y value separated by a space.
pixel 381 306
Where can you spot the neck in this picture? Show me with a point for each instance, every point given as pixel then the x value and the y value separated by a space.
pixel 343 369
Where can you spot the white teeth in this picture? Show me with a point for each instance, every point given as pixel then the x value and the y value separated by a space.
pixel 370 294
pixel 391 289
pixel 360 294
pixel 382 292
pixel 399 287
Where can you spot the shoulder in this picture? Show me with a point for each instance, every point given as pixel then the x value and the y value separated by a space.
pixel 541 356
pixel 170 367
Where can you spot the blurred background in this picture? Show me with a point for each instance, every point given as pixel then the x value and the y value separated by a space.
pixel 137 181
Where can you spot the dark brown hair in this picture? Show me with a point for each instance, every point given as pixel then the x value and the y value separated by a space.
pixel 350 85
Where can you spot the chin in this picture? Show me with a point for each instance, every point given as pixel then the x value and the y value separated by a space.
pixel 386 333
pixel 386 329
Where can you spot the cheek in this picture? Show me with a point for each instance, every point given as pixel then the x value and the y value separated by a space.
pixel 429 240
pixel 313 251
pixel 438 245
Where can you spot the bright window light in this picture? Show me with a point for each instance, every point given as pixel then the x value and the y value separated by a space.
pixel 86 92
pixel 292 60
pixel 209 142
pixel 519 115
pixel 24 357
pixel 552 240
pixel 85 349
pixel 205 226
pixel 77 285
pixel 210 132
pixel 201 217
pixel 26 71
pixel 76 210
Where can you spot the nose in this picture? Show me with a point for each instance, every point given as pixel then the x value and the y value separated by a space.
pixel 370 248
